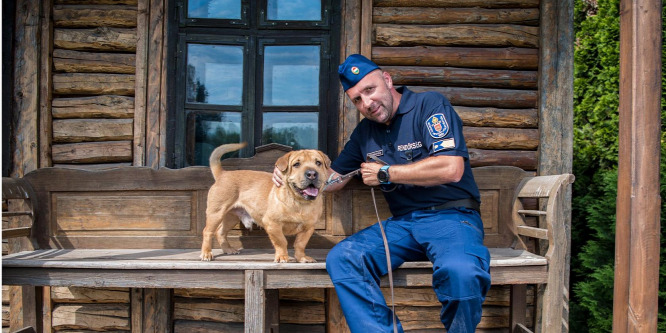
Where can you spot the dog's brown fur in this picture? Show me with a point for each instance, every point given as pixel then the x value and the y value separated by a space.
pixel 252 197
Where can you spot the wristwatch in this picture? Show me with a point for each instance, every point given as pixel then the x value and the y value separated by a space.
pixel 383 175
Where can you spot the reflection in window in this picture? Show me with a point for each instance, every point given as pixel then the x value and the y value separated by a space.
pixel 294 10
pixel 215 74
pixel 291 75
pixel 215 9
pixel 212 130
pixel 295 129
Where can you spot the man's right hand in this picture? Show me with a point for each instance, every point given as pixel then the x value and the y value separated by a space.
pixel 277 177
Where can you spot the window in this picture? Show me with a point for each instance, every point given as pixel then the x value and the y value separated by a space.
pixel 257 71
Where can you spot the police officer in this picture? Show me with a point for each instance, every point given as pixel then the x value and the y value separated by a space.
pixel 411 145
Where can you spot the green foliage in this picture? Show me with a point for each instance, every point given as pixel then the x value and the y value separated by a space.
pixel 596 101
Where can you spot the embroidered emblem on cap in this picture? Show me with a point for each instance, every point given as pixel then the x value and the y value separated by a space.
pixel 437 126
pixel 443 144
pixel 355 70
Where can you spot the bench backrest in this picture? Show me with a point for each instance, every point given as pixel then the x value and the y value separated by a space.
pixel 138 207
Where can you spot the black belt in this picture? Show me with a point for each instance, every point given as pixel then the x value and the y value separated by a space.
pixel 467 203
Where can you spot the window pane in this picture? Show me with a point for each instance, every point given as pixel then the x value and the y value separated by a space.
pixel 216 9
pixel 294 10
pixel 215 74
pixel 291 75
pixel 212 130
pixel 295 129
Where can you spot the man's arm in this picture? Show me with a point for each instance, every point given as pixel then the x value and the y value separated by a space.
pixel 277 180
pixel 431 171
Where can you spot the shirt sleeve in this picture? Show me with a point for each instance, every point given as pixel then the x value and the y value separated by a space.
pixel 442 128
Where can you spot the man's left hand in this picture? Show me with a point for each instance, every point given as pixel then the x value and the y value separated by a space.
pixel 369 172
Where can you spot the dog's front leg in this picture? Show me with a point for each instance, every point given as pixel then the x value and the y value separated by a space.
pixel 300 242
pixel 279 241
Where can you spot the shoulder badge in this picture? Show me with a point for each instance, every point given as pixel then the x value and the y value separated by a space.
pixel 437 126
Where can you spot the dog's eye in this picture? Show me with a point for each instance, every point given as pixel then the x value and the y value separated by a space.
pixel 296 165
pixel 318 163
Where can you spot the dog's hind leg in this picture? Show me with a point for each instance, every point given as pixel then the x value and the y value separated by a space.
pixel 228 223
pixel 213 220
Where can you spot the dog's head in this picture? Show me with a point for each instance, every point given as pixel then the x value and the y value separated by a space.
pixel 304 171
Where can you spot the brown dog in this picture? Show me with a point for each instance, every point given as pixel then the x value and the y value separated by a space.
pixel 251 196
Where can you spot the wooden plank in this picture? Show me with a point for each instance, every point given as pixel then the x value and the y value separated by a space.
pixel 335 322
pixel 255 302
pixel 462 77
pixel 16 232
pixel 89 295
pixel 469 57
pixel 87 16
pixel 93 84
pixel 187 326
pixel 103 106
pixel 493 35
pixel 635 301
pixel 45 86
pixel 495 117
pixel 350 43
pixel 93 152
pixel 518 305
pixel 141 85
pixel 366 28
pixel 476 15
pixel 500 98
pixel 93 62
pixel 501 138
pixel 157 310
pixel 96 2
pixel 93 167
pixel 219 310
pixel 95 317
pixel 98 39
pixel 89 130
pixel 154 98
pixel 458 3
pixel 47 309
pixel 136 310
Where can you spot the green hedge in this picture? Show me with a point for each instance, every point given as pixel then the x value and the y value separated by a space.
pixel 596 99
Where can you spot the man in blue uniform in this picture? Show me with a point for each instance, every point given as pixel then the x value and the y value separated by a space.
pixel 412 146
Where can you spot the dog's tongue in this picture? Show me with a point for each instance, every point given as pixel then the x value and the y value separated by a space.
pixel 311 191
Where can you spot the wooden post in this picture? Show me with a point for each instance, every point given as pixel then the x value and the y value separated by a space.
pixel 638 203
pixel 255 302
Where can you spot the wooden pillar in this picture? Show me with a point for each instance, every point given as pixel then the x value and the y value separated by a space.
pixel 255 302
pixel 638 202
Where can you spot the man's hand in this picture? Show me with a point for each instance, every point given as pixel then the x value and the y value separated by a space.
pixel 369 172
pixel 277 177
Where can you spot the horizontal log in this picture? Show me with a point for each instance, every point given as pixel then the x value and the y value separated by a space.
pixel 457 3
pixel 86 16
pixel 96 2
pixel 475 15
pixel 309 295
pixel 497 295
pixel 93 62
pixel 423 318
pixel 292 312
pixel 104 106
pixel 5 315
pixel 494 117
pixel 493 35
pixel 501 138
pixel 92 167
pixel 92 152
pixel 463 77
pixel 209 310
pixel 505 57
pixel 89 295
pixel 210 293
pixel 95 317
pixel 526 160
pixel 98 39
pixel 91 130
pixel 93 84
pixel 499 98
pixel 189 326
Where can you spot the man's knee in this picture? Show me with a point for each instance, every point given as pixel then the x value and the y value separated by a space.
pixel 343 260
pixel 461 279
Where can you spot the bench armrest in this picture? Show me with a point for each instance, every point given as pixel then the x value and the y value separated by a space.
pixel 16 189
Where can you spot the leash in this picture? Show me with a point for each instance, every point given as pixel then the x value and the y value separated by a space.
pixel 388 260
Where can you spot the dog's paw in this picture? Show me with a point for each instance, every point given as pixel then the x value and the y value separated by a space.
pixel 306 259
pixel 206 256
pixel 231 251
pixel 281 259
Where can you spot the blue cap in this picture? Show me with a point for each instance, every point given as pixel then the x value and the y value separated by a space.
pixel 355 68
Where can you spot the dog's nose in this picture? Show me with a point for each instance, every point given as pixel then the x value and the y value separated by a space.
pixel 311 174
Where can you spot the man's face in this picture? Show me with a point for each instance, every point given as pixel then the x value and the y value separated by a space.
pixel 372 96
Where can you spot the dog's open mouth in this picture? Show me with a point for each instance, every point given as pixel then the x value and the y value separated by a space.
pixel 309 193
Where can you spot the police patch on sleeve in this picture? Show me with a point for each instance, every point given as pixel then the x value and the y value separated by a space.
pixel 443 144
pixel 437 126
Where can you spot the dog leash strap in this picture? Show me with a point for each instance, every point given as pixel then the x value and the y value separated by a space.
pixel 388 260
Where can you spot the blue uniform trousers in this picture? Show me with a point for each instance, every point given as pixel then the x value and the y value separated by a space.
pixel 451 239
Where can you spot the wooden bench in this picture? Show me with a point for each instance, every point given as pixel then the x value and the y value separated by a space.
pixel 141 228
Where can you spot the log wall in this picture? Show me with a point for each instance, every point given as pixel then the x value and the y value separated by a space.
pixel 482 55
pixel 93 79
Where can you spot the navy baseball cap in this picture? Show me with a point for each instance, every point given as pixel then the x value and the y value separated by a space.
pixel 355 68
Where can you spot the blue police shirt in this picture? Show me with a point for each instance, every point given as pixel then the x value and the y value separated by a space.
pixel 424 125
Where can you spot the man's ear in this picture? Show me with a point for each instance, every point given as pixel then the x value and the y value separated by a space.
pixel 283 162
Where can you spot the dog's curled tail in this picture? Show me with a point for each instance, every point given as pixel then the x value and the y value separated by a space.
pixel 215 164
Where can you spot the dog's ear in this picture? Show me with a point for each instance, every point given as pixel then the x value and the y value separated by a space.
pixel 327 161
pixel 283 162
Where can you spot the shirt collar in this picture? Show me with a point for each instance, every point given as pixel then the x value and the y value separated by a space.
pixel 407 103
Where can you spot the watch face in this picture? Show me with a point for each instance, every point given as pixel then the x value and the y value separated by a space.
pixel 382 175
